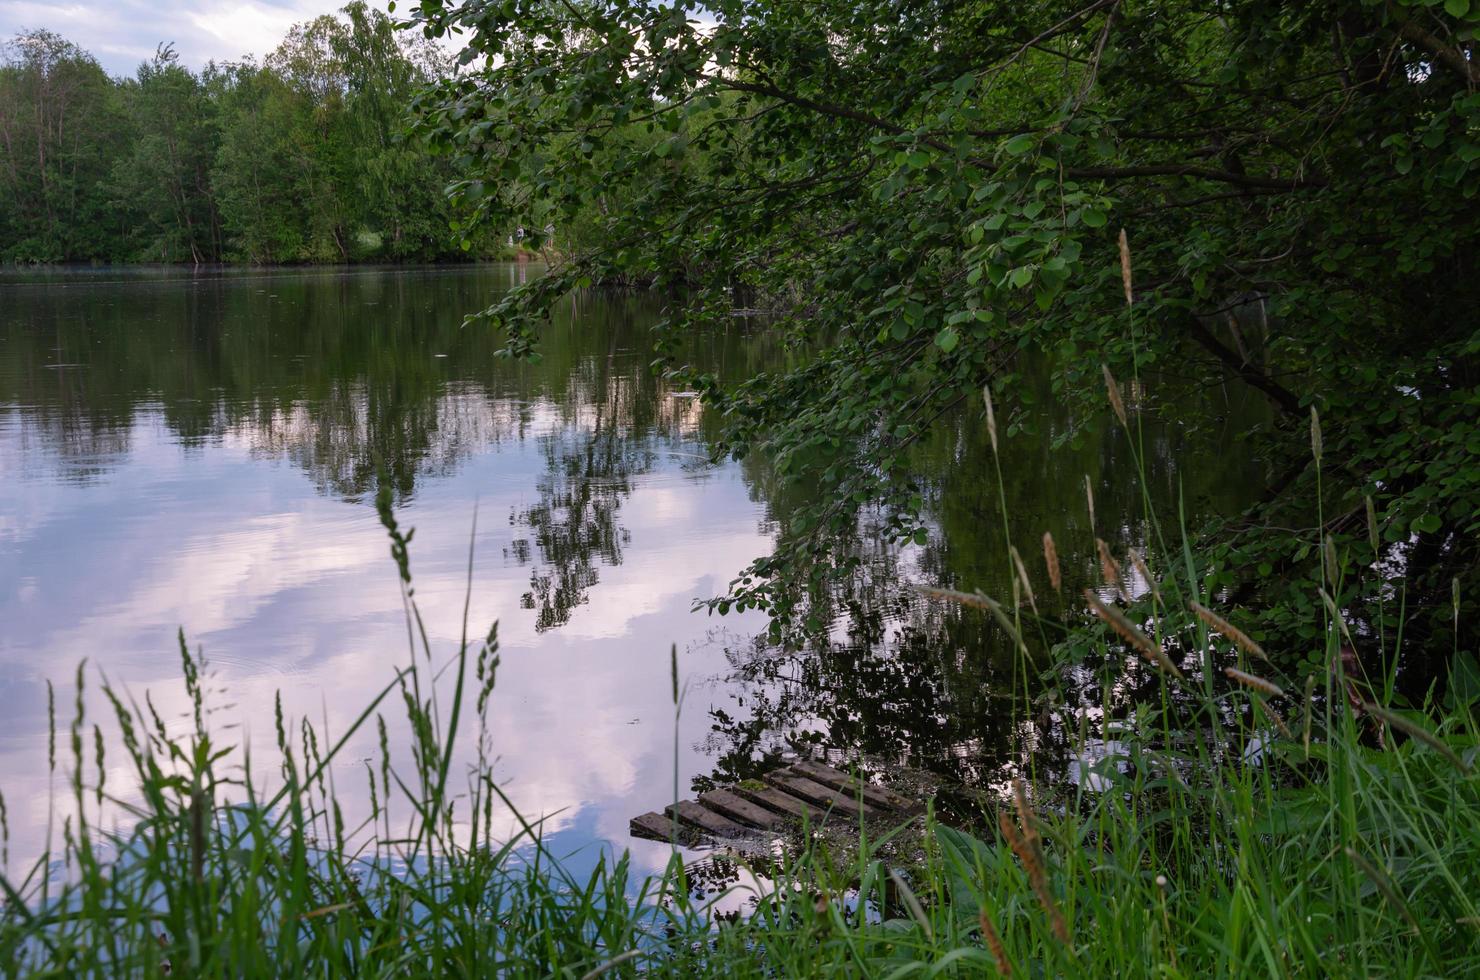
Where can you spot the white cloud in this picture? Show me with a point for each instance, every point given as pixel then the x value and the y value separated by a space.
pixel 122 33
pixel 289 591
pixel 256 27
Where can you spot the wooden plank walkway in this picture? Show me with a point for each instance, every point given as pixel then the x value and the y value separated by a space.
pixel 812 790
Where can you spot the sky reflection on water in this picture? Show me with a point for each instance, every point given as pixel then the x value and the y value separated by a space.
pixel 119 524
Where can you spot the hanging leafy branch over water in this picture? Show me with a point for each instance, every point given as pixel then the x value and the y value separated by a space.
pixel 927 191
pixel 301 158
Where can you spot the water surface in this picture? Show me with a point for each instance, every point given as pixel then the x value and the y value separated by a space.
pixel 202 452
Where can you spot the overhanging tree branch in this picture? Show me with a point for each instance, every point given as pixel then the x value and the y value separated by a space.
pixel 1250 375
pixel 1450 57
pixel 802 102
pixel 1191 170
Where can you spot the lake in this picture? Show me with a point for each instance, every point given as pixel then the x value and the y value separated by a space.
pixel 201 452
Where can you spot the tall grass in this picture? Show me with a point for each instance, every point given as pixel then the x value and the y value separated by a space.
pixel 1250 824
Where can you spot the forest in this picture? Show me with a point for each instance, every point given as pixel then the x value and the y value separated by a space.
pixel 299 159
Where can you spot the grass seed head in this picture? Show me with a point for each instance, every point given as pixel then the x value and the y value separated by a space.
pixel 1108 568
pixel 1145 572
pixel 1027 847
pixel 1131 634
pixel 1238 636
pixel 1125 267
pixel 1278 720
pixel 1024 811
pixel 977 600
pixel 991 417
pixel 1112 388
pixel 1051 559
pixel 1022 572
pixel 1254 682
pixel 1315 434
pixel 1335 612
pixel 994 942
pixel 1372 538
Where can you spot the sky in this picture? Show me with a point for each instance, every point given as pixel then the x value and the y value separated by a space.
pixel 122 33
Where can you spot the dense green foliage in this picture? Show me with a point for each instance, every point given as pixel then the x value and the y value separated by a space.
pixel 930 191
pixel 299 159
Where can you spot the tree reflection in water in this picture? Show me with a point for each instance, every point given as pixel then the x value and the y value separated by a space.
pixel 574 521
pixel 872 668
pixel 354 375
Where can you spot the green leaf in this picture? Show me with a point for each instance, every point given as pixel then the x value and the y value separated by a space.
pixel 947 339
pixel 1021 144
pixel 1456 8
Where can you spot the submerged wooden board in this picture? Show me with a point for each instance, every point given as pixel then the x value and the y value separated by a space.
pixel 653 826
pixel 774 799
pixel 873 796
pixel 804 790
pixel 706 820
pixel 741 810
pixel 813 792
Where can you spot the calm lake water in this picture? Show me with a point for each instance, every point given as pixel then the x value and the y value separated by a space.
pixel 198 453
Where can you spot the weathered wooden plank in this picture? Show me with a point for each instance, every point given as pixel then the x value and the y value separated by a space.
pixel 812 791
pixel 692 813
pixel 809 789
pixel 741 810
pixel 878 796
pixel 774 799
pixel 653 826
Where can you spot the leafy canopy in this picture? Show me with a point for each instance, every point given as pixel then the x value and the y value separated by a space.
pixel 923 193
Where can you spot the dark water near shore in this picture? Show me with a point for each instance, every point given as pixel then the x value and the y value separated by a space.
pixel 199 453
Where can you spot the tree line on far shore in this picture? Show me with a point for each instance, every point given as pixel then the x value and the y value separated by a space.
pixel 299 158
